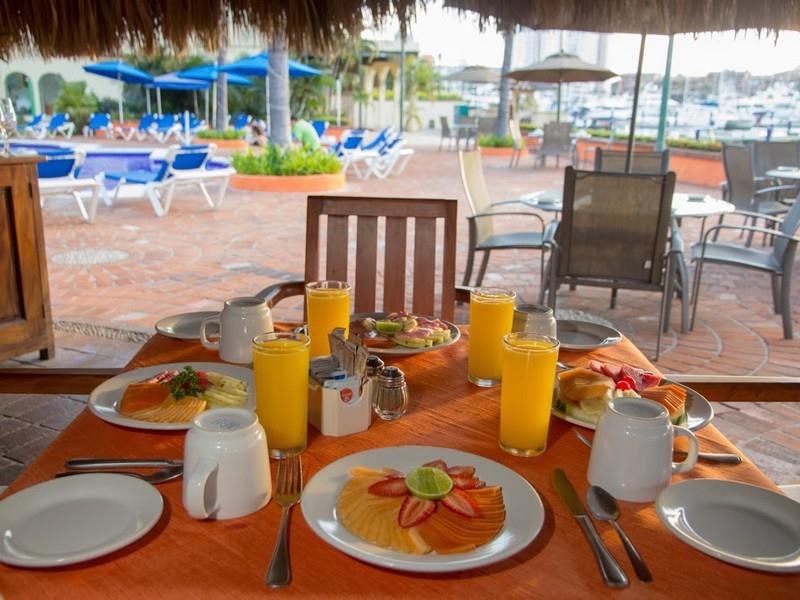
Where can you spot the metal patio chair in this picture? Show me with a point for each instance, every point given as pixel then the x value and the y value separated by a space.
pixel 771 155
pixel 447 134
pixel 482 237
pixel 556 142
pixel 614 234
pixel 649 163
pixel 777 261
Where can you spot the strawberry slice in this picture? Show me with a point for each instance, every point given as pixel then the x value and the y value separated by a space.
pixel 393 486
pixel 461 503
pixel 464 482
pixel 438 463
pixel 466 471
pixel 649 380
pixel 414 511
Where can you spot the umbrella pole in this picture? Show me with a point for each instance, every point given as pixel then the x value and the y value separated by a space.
pixel 207 121
pixel 637 83
pixel 158 99
pixel 121 92
pixel 147 98
pixel 558 104
pixel 662 115
pixel 214 104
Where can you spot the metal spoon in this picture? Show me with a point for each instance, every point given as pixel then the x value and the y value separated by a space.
pixel 160 476
pixel 720 457
pixel 605 508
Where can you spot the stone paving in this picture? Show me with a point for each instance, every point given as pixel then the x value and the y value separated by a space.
pixel 129 268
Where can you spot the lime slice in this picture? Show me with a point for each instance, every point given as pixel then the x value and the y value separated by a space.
pixel 429 483
pixel 389 327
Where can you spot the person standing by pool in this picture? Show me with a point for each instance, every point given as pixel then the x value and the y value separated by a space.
pixel 304 132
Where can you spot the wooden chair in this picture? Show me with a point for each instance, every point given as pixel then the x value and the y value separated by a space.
pixel 395 213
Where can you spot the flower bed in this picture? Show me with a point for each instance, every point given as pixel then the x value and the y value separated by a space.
pixel 289 183
pixel 287 170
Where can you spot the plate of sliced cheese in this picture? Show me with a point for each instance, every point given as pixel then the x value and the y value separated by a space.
pixel 583 393
pixel 169 396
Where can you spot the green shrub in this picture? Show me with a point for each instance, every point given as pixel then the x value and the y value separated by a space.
pixel 331 119
pixel 528 127
pixel 215 134
pixel 493 141
pixel 74 100
pixel 275 160
pixel 685 143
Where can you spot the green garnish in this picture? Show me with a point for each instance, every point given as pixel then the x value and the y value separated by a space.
pixel 186 383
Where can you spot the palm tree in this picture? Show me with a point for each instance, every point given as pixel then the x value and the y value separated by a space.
pixel 221 121
pixel 279 133
pixel 501 130
pixel 347 58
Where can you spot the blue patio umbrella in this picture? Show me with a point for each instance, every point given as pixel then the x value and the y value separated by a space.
pixel 211 73
pixel 122 72
pixel 258 66
pixel 171 81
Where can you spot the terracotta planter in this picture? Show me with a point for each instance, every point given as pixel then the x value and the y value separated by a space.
pixel 288 183
pixel 225 144
pixel 507 152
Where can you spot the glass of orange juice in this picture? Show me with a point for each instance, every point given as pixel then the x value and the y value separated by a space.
pixel 280 366
pixel 526 395
pixel 491 313
pixel 328 307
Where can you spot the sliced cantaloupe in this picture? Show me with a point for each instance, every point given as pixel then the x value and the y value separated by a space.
pixel 140 396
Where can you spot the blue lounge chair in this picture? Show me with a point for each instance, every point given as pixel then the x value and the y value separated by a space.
pixel 35 126
pixel 240 121
pixel 320 127
pixel 58 176
pixel 195 125
pixel 99 122
pixel 164 127
pixel 141 131
pixel 183 166
pixel 58 124
pixel 379 140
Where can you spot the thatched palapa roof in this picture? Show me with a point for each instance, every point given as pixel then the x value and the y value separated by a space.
pixel 107 27
pixel 639 16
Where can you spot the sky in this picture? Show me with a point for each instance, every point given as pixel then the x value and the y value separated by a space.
pixel 453 40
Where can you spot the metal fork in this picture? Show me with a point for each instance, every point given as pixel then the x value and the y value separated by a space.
pixel 287 494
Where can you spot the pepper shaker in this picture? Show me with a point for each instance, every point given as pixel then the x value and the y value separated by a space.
pixel 391 397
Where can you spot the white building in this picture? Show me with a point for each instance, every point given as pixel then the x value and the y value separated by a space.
pixel 532 46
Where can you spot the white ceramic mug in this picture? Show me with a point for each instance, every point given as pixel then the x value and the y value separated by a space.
pixel 240 321
pixel 225 465
pixel 632 450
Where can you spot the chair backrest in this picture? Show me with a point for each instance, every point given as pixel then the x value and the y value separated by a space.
pixel 165 122
pixel 392 215
pixel 147 120
pixel 320 127
pixel 738 164
pixel 58 120
pixel 99 121
pixel 240 121
pixel 476 191
pixel 59 164
pixel 184 158
pixel 790 226
pixel 352 142
pixel 648 163
pixel 614 227
pixel 36 120
pixel 556 136
pixel 445 126
pixel 770 155
pixel 378 140
pixel 516 134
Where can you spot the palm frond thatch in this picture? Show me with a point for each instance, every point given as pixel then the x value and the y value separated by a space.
pixel 91 27
pixel 639 16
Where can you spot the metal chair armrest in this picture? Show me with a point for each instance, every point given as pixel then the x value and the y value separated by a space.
pixel 506 214
pixel 502 202
pixel 775 188
pixel 278 291
pixel 463 293
pixel 750 213
pixel 549 235
pixel 764 230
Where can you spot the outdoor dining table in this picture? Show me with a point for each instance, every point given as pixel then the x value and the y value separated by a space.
pixel 185 558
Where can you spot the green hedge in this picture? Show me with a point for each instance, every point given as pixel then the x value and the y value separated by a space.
pixel 684 143
pixel 215 134
pixel 275 160
pixel 493 141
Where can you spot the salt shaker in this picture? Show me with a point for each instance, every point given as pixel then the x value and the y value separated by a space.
pixel 391 397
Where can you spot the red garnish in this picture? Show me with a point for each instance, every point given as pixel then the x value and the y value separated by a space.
pixel 461 503
pixel 438 463
pixel 466 483
pixel 393 486
pixel 415 510
pixel 467 471
pixel 623 385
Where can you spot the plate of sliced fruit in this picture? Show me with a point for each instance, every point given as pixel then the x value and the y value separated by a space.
pixel 422 508
pixel 169 396
pixel 583 393
pixel 402 333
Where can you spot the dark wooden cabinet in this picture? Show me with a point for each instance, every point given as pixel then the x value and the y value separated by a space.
pixel 25 320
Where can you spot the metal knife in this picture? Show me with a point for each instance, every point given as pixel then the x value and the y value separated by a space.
pixel 121 463
pixel 612 573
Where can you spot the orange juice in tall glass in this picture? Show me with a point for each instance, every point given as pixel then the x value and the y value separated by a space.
pixel 328 307
pixel 491 313
pixel 526 395
pixel 280 366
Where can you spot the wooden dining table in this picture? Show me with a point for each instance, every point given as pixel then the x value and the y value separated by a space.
pixel 186 558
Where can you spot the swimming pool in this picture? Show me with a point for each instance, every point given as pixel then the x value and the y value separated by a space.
pixel 101 159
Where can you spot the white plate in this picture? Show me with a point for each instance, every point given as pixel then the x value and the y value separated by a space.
pixel 699 411
pixel 398 350
pixel 583 335
pixel 105 397
pixel 524 510
pixel 185 326
pixel 72 519
pixel 736 522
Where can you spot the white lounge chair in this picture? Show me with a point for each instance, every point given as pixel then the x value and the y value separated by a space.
pixel 58 124
pixel 184 166
pixel 390 159
pixel 57 178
